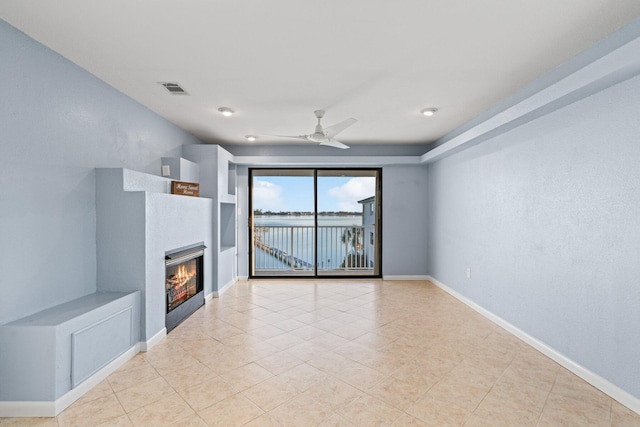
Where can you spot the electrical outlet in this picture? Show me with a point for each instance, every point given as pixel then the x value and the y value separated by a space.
pixel 469 273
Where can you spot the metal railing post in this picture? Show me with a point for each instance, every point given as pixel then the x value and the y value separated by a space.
pixel 346 249
pixel 291 250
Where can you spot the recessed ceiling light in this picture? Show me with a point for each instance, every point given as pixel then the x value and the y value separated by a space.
pixel 429 111
pixel 251 137
pixel 226 111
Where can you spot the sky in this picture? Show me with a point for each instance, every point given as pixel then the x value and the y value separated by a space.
pixel 295 193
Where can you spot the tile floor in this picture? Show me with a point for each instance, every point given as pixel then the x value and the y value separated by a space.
pixel 340 353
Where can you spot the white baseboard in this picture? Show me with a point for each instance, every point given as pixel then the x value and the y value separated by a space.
pixel 399 277
pixel 223 289
pixel 146 345
pixel 243 278
pixel 615 392
pixel 27 409
pixel 52 409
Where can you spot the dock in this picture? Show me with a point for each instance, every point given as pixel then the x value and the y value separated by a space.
pixel 281 255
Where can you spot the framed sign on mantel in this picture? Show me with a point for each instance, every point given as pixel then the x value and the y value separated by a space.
pixel 185 188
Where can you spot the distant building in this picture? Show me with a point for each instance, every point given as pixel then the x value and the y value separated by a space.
pixel 369 221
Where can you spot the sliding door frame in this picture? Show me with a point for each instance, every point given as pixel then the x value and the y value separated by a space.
pixel 378 224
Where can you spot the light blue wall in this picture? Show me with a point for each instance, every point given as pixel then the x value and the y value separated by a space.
pixel 58 123
pixel 242 194
pixel 404 215
pixel 547 218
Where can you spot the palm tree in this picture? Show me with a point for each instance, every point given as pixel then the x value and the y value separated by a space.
pixel 352 236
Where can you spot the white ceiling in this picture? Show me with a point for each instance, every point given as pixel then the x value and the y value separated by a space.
pixel 276 61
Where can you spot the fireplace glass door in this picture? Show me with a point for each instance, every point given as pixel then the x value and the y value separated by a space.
pixel 181 283
pixel 184 284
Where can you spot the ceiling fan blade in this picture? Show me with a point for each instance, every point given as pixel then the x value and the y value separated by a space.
pixel 334 143
pixel 332 131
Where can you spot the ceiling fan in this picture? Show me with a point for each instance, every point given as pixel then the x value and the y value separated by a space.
pixel 324 136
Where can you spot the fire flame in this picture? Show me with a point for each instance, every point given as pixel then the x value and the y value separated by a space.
pixel 182 274
pixel 180 277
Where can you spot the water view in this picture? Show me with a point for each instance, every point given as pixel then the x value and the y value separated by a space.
pixel 307 220
pixel 286 238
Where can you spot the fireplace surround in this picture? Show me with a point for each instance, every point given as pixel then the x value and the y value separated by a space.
pixel 183 284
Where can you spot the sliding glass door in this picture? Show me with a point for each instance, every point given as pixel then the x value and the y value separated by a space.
pixel 347 209
pixel 315 222
pixel 282 225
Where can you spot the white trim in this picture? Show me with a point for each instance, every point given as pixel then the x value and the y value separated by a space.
pixel 243 278
pixel 400 277
pixel 51 409
pixel 225 288
pixel 281 161
pixel 27 409
pixel 210 296
pixel 615 392
pixel 147 345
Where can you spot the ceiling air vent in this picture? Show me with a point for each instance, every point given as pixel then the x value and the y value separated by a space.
pixel 174 88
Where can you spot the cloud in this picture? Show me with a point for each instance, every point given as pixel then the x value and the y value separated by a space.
pixel 353 190
pixel 268 196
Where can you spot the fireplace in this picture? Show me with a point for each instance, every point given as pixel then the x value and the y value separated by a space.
pixel 183 284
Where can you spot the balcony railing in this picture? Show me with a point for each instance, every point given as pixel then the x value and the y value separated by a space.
pixel 292 249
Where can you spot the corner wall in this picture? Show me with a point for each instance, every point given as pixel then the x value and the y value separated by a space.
pixel 546 218
pixel 404 215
